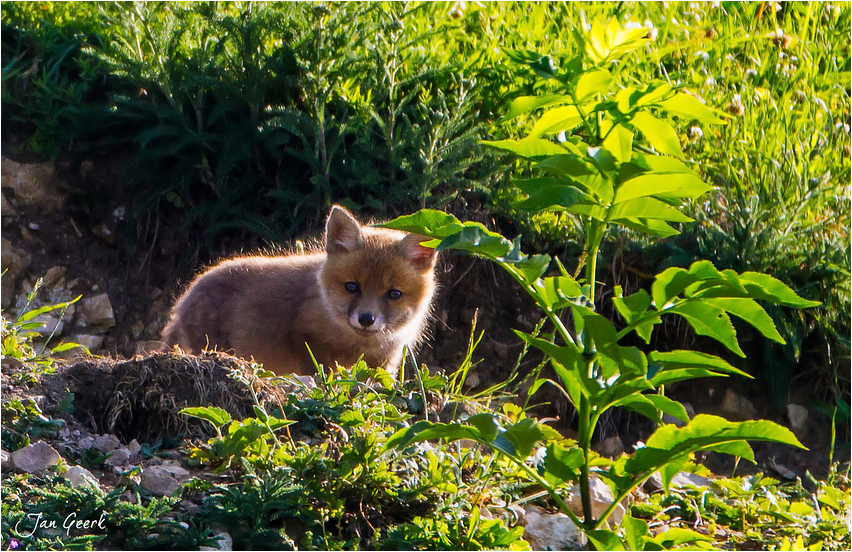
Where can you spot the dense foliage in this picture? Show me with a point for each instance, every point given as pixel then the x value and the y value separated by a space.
pixel 242 120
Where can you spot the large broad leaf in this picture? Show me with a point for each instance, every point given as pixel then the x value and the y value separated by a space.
pixel 604 539
pixel 654 227
pixel 646 208
pixel 767 288
pixel 213 414
pixel 669 366
pixel 704 432
pixel 556 120
pixel 584 174
pixel 630 98
pixel 633 308
pixel 479 241
pixel 423 431
pixel 619 141
pixel 688 107
pixel 527 104
pixel 546 193
pixel 711 321
pixel 749 311
pixel 659 133
pixel 531 268
pixel 557 292
pixel 563 463
pixel 528 148
pixel 657 182
pixel 590 83
pixel 427 222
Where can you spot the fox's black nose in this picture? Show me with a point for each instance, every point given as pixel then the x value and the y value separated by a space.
pixel 366 319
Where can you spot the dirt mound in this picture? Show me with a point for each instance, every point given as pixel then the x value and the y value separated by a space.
pixel 141 398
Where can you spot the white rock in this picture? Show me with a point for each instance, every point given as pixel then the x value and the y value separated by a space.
pixel 92 342
pixel 160 480
pixel 546 531
pixel 96 312
pixel 600 494
pixel 79 476
pixel 134 447
pixel 225 542
pixel 798 416
pixel 679 481
pixel 36 457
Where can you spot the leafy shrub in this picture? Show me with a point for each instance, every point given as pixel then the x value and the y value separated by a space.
pixel 599 170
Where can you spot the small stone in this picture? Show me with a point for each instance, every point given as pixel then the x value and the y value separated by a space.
pixel 152 330
pixel 36 457
pixel 611 447
pixel 6 209
pixel 119 457
pixel 798 416
pixel 34 184
pixel 91 342
pixel 680 480
pixel 128 496
pixel 54 277
pixel 162 480
pixel 134 447
pixel 106 443
pixel 136 329
pixel 544 531
pixel 86 443
pixel 15 263
pixel 50 325
pixel 79 476
pixel 600 494
pixel 737 407
pixel 96 312
pixel 105 233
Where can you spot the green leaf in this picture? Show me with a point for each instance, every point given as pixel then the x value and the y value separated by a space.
pixel 423 431
pixel 528 148
pixel 633 307
pixel 659 133
pixel 563 463
pixel 213 414
pixel 749 311
pixel 523 435
pixel 477 240
pixel 67 347
pixel 704 432
pixel 767 288
pixel 646 208
pixel 634 530
pixel 487 425
pixel 688 107
pixel 653 227
pixel 630 98
pixel 656 183
pixel 557 292
pixel 426 222
pixel 590 83
pixel 677 360
pixel 527 104
pixel 556 120
pixel 543 194
pixel 532 268
pixel 669 406
pixel 603 539
pixel 677 536
pixel 711 321
pixel 619 141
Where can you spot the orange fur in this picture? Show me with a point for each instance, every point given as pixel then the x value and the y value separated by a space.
pixel 269 307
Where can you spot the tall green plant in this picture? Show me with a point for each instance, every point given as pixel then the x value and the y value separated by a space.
pixel 617 161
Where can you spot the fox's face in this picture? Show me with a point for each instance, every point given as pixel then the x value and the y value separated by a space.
pixel 375 281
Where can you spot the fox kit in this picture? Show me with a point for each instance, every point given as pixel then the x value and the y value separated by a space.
pixel 367 294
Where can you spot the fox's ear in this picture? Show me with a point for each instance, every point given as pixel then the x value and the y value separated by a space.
pixel 422 257
pixel 342 231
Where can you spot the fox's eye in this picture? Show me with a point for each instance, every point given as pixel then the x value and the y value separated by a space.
pixel 394 294
pixel 352 287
